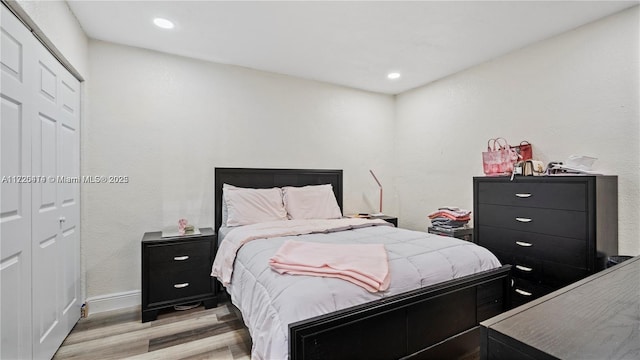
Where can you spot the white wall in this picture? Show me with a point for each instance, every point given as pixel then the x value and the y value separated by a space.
pixel 166 122
pixel 576 93
pixel 60 25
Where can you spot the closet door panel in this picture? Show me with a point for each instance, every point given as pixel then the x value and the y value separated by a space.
pixel 17 86
pixel 69 195
pixel 47 82
pixel 46 249
pixel 15 228
pixel 55 205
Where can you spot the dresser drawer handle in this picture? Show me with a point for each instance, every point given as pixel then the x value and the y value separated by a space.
pixel 180 286
pixel 523 195
pixel 524 268
pixel 523 293
pixel 525 244
pixel 524 220
pixel 180 258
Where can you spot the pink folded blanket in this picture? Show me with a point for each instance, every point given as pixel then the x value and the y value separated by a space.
pixel 365 265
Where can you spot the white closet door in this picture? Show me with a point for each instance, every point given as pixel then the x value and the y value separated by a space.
pixel 55 205
pixel 39 196
pixel 69 195
pixel 16 96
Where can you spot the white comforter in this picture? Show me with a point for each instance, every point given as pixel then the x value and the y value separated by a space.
pixel 269 302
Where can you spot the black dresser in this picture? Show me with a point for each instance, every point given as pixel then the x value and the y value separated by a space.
pixel 554 230
pixel 176 270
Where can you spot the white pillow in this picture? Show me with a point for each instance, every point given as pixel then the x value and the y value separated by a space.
pixel 224 205
pixel 250 206
pixel 311 202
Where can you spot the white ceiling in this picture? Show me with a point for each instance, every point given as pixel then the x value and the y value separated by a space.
pixel 348 43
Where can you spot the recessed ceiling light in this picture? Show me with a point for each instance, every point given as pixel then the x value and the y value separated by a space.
pixel 393 75
pixel 163 23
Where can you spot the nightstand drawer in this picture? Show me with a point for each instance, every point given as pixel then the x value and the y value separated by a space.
pixel 563 250
pixel 181 253
pixel 564 223
pixel 562 196
pixel 164 287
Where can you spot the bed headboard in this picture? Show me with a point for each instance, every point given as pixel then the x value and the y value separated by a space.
pixel 268 178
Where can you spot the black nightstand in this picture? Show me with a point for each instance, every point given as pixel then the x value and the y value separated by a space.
pixel 464 233
pixel 176 270
pixel 387 218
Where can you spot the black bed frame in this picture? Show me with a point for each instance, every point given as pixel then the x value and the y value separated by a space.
pixel 435 322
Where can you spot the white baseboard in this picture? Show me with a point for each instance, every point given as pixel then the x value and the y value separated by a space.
pixel 116 301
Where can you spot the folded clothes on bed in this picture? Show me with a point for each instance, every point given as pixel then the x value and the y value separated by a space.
pixel 365 265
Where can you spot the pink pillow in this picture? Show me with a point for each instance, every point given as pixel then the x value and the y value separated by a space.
pixel 311 202
pixel 250 206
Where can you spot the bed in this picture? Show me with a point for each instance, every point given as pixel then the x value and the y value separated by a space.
pixel 433 319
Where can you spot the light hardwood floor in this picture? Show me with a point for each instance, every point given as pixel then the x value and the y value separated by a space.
pixel 194 334
pixel 190 334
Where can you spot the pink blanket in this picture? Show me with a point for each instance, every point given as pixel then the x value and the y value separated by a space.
pixel 222 267
pixel 365 265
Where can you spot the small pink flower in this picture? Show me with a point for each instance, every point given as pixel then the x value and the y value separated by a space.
pixel 182 223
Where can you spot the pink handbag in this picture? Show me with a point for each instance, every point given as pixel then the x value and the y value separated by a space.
pixel 499 157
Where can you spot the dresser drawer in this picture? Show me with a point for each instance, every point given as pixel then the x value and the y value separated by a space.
pixel 564 223
pixel 533 278
pixel 563 196
pixel 558 275
pixel 181 254
pixel 562 250
pixel 165 287
pixel 525 291
pixel 527 268
pixel 544 272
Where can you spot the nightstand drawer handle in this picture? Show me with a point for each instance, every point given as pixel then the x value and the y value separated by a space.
pixel 523 195
pixel 180 258
pixel 524 220
pixel 524 268
pixel 524 293
pixel 180 286
pixel 522 243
